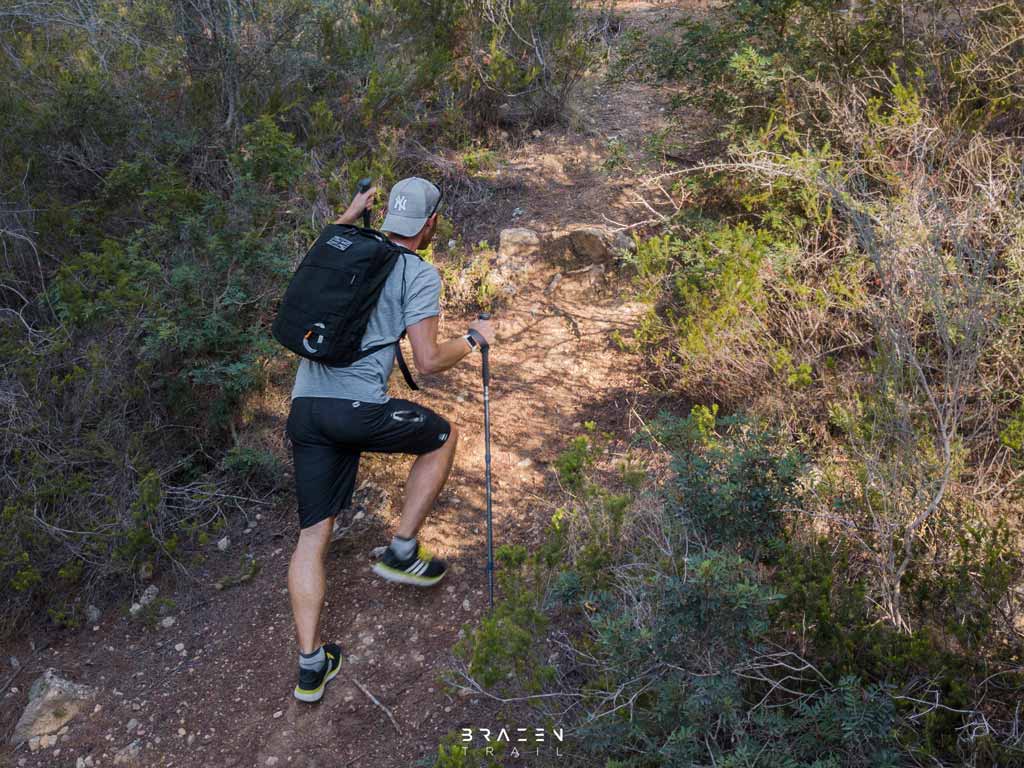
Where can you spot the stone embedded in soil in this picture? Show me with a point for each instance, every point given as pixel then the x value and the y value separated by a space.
pixel 597 244
pixel 223 544
pixel 149 595
pixel 518 250
pixel 167 622
pixel 53 702
pixel 129 754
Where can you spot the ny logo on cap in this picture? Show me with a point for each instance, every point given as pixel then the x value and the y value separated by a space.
pixel 400 203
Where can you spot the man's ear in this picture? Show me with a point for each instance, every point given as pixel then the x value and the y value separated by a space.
pixel 427 232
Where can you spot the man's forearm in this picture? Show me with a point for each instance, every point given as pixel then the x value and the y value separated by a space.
pixel 446 355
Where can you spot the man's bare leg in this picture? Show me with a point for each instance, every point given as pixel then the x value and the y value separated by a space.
pixel 426 479
pixel 307 582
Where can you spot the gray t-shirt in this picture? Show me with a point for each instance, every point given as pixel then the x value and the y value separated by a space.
pixel 367 379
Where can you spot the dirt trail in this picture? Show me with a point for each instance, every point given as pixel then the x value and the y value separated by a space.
pixel 224 698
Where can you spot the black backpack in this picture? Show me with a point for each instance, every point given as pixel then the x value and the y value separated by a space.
pixel 327 305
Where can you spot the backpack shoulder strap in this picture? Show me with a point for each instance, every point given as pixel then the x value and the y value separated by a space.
pixel 399 357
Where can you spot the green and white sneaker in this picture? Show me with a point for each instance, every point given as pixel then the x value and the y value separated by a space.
pixel 422 569
pixel 312 683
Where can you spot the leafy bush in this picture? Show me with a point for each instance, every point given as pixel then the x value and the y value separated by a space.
pixel 711 631
pixel 671 659
pixel 737 494
pixel 502 646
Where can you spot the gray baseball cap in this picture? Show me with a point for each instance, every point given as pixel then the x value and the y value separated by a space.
pixel 412 201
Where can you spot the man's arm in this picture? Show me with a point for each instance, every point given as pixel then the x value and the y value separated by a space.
pixel 429 356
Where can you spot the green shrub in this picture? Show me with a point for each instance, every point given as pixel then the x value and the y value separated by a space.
pixel 1012 435
pixel 573 462
pixel 269 154
pixel 738 493
pixel 504 644
pixel 682 641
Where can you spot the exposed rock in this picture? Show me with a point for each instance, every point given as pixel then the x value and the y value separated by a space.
pixel 168 622
pixel 129 754
pixel 223 544
pixel 598 244
pixel 518 249
pixel 517 244
pixel 149 595
pixel 133 725
pixel 92 614
pixel 53 702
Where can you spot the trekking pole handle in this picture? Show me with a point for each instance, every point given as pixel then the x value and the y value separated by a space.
pixel 485 349
pixel 364 185
pixel 480 340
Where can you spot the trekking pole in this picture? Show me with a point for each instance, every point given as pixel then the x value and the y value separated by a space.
pixel 363 186
pixel 484 350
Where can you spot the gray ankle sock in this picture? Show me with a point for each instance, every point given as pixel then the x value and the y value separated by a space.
pixel 315 660
pixel 403 548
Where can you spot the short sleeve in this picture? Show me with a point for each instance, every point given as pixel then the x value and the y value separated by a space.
pixel 422 294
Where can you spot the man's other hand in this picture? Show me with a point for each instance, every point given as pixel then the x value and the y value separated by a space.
pixel 355 209
pixel 485 328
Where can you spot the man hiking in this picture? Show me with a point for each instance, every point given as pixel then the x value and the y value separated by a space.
pixel 339 412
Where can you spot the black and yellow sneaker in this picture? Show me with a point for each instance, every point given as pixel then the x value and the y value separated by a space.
pixel 422 569
pixel 312 682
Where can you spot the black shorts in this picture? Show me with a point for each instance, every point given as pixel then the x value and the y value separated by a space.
pixel 329 434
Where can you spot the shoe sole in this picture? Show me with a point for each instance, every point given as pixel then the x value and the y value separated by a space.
pixel 401 577
pixel 317 693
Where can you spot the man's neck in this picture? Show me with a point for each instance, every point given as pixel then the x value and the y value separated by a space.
pixel 412 243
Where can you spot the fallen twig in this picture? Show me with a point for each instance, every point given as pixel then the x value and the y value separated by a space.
pixel 373 698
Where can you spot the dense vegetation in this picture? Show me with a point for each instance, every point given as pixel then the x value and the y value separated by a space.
pixel 830 574
pixel 163 164
pixel 819 564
